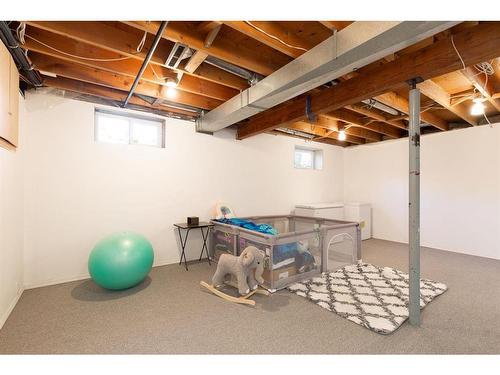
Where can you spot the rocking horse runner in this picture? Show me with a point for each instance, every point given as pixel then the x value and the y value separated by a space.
pixel 247 269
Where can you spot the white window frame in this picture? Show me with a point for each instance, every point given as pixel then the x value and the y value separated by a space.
pixel 130 117
pixel 317 161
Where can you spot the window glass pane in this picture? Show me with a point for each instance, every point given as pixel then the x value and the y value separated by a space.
pixel 304 158
pixel 112 129
pixel 146 133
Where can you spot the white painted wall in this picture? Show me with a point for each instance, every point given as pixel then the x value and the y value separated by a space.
pixel 78 191
pixel 11 228
pixel 460 189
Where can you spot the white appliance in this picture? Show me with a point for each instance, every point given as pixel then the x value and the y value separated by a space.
pixel 334 211
pixel 361 213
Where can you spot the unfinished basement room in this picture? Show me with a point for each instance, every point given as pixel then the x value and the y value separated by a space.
pixel 284 185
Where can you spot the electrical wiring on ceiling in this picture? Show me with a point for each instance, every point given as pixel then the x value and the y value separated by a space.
pixel 21 35
pixel 485 68
pixel 275 37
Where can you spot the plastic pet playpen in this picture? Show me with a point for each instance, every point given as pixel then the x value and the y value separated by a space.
pixel 303 247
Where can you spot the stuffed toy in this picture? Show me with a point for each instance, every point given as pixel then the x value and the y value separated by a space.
pixel 247 268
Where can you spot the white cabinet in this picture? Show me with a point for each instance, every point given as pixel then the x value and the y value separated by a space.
pixel 334 211
pixel 9 99
pixel 361 213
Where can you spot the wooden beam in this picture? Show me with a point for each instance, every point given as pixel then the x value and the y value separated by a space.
pixel 334 124
pixel 478 80
pixel 355 119
pixel 335 25
pixel 329 141
pixel 101 77
pixel 376 116
pixel 322 132
pixel 89 46
pixel 480 43
pixel 102 92
pixel 200 56
pixel 401 104
pixel 272 28
pixel 208 81
pixel 207 26
pixel 435 92
pixel 222 48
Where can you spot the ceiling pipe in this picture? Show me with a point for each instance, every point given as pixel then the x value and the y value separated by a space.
pixel 376 104
pixel 146 61
pixel 251 77
pixel 355 46
pixel 22 62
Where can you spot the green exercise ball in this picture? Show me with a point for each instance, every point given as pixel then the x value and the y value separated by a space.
pixel 121 260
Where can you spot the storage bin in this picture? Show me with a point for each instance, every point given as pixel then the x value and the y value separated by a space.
pixel 303 247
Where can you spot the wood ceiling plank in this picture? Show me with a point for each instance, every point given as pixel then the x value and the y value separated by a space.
pixel 101 92
pixel 112 80
pixel 322 132
pixel 402 105
pixel 481 85
pixel 91 47
pixel 271 28
pixel 376 116
pixel 223 47
pixel 476 44
pixel 356 120
pixel 333 124
pixel 199 56
pixel 130 67
pixel 435 92
pixel 335 25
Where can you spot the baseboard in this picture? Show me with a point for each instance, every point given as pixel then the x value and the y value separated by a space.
pixel 461 252
pixel 13 304
pixel 56 281
pixel 78 278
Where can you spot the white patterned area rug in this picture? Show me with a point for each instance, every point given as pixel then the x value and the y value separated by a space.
pixel 376 298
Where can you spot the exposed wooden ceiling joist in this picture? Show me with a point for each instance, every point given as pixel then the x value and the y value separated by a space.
pixel 103 92
pixel 376 115
pixel 476 44
pixel 89 45
pixel 101 77
pixel 273 35
pixel 354 119
pixel 479 81
pixel 222 48
pixel 322 132
pixel 435 92
pixel 199 56
pixel 395 101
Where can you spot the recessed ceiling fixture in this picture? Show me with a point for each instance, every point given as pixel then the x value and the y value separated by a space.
pixel 171 82
pixel 171 92
pixel 342 135
pixel 478 106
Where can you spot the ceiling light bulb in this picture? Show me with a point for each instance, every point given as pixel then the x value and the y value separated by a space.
pixel 171 92
pixel 342 135
pixel 478 107
pixel 171 83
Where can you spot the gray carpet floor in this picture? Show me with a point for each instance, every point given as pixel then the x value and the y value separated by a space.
pixel 169 313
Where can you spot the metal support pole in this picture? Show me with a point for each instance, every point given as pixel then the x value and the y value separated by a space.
pixel 145 63
pixel 414 203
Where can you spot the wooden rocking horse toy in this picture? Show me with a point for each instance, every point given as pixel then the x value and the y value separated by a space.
pixel 247 269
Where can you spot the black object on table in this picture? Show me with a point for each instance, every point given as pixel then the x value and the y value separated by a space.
pixel 201 225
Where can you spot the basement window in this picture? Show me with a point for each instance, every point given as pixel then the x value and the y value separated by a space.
pixel 308 158
pixel 128 129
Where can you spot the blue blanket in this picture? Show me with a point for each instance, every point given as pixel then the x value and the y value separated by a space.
pixel 250 225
